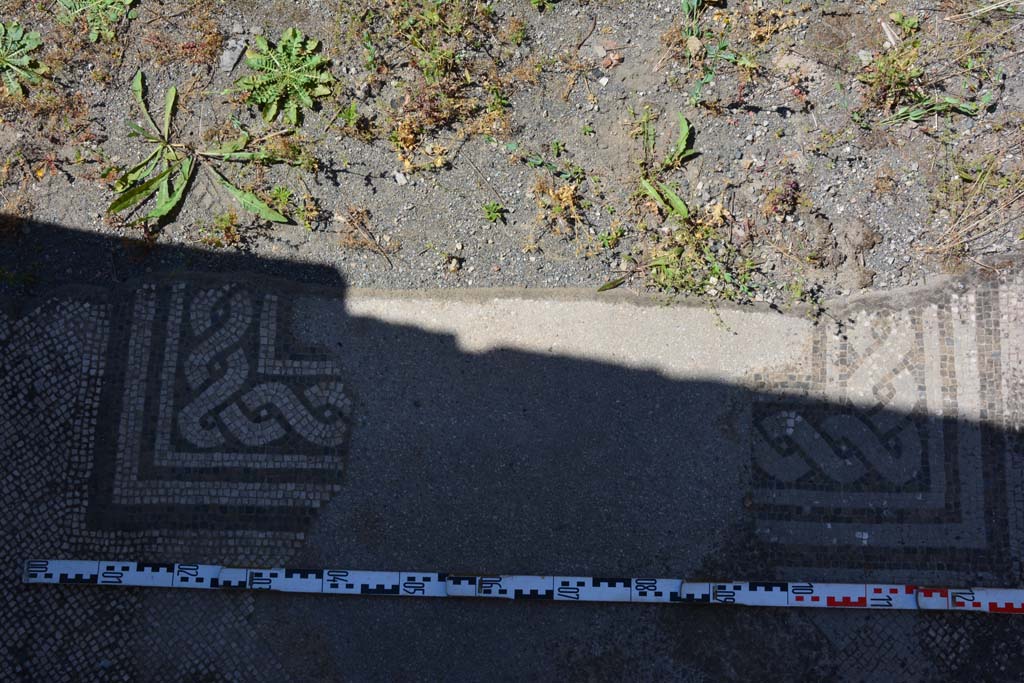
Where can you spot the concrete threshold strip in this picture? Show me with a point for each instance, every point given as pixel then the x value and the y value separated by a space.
pixel 521 587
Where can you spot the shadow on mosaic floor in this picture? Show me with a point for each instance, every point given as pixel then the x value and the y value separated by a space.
pixel 168 403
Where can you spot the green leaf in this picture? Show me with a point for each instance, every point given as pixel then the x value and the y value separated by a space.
pixel 682 142
pixel 138 193
pixel 649 190
pixel 14 88
pixel 138 88
pixel 142 132
pixel 164 190
pixel 167 203
pixel 232 148
pixel 270 111
pixel 291 112
pixel 241 156
pixel 249 201
pixel 682 150
pixel 611 284
pixel 679 207
pixel 169 99
pixel 136 173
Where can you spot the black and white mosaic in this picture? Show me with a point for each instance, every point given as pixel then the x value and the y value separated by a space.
pixel 892 448
pixel 214 417
pixel 171 416
pixel 181 413
pixel 187 418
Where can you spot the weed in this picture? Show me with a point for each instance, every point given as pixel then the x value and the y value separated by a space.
pixel 515 31
pixel 448 77
pixel 679 153
pixel 697 260
pixel 894 77
pixel 494 212
pixel 499 101
pixel 99 17
pixel 569 171
pixel 782 201
pixel 350 114
pixel 926 106
pixel 683 149
pixel 308 211
pixel 982 195
pixel 56 113
pixel 559 207
pixel 432 32
pixel 561 212
pixel 861 120
pixel 702 49
pixel 279 198
pixel 354 122
pixel 644 130
pixel 691 11
pixel 574 172
pixel 587 131
pixel 449 261
pixel 16 63
pixel 897 85
pixel 688 253
pixel 542 5
pixel 290 75
pixel 168 169
pixel 223 232
pixel 908 25
pixel 666 199
pixel 369 53
pixel 760 23
pixel 280 147
pixel 1012 7
pixel 557 147
pixel 610 238
pixel 197 40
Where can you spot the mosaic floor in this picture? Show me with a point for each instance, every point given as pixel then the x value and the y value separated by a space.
pixel 194 418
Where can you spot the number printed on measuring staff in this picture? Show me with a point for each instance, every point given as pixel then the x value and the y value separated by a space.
pixel 110 575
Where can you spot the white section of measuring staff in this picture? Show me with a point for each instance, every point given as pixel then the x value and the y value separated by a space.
pixel 522 587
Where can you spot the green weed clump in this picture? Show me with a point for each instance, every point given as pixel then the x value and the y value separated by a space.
pixel 168 169
pixel 100 17
pixel 17 65
pixel 446 60
pixel 900 87
pixel 694 258
pixel 288 76
pixel 689 254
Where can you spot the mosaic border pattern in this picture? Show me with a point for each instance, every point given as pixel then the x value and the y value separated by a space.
pixel 908 466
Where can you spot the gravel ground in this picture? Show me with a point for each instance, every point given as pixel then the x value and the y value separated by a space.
pixel 810 183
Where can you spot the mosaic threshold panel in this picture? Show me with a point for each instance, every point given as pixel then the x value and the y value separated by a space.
pixel 193 419
pixel 909 455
